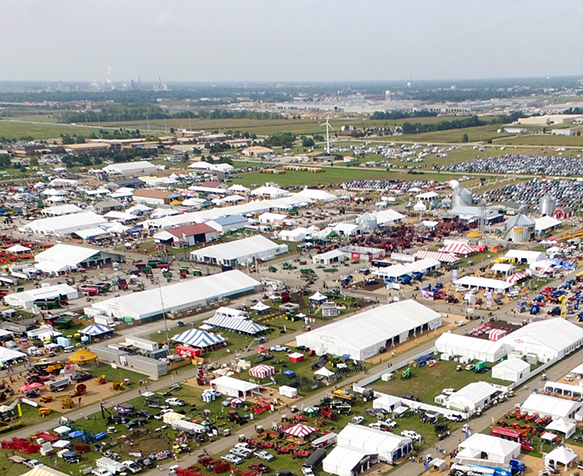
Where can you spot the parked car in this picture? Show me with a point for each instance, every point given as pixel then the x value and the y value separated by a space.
pixel 246 446
pixel 82 377
pixel 578 438
pixel 144 414
pixel 470 367
pixel 175 402
pixel 357 420
pixel 33 463
pixel 227 402
pixel 454 416
pixel 410 397
pixel 259 467
pixel 135 423
pixel 278 348
pixel 448 391
pixel 379 425
pixel 241 452
pixel 264 455
pixel 101 472
pixel 232 459
pixel 411 434
pixel 132 466
pixel 390 423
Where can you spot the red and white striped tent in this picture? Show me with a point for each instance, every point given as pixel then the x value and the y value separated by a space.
pixel 441 257
pixel 237 402
pixel 496 334
pixel 516 277
pixel 262 371
pixel 458 248
pixel 300 430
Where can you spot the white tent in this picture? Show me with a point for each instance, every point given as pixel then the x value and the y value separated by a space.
pixel 318 297
pixel 240 252
pixel 364 334
pixel 472 397
pixel 324 372
pixel 232 387
pixel 17 249
pixel 563 425
pixel 471 347
pixel 497 449
pixel 486 283
pixel 553 406
pixel 66 224
pixel 512 370
pixel 562 455
pixel 6 355
pixel 347 461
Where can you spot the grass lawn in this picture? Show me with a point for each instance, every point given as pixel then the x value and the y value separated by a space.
pixel 39 129
pixel 427 382
pixel 118 374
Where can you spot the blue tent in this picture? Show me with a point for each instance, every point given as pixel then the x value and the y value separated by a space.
pixel 289 373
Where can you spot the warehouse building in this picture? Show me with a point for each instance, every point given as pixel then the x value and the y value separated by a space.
pixel 26 299
pixel 142 167
pixel 373 331
pixel 239 252
pixel 65 225
pixel 186 296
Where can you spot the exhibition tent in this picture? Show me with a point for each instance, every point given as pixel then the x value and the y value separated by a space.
pixel 198 338
pixel 562 455
pixel 471 347
pixel 262 371
pixel 236 324
pixel 563 425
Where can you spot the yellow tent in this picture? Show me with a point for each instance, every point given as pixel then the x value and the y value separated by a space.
pixel 175 202
pixel 82 356
pixel 474 234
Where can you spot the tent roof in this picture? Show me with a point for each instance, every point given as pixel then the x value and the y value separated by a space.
pixel 95 330
pixel 515 365
pixel 549 405
pixel 198 338
pixel 239 248
pixel 478 282
pixel 562 454
pixel 437 255
pixel 375 325
pixel 44 471
pixel 345 458
pixel 543 223
pixel 9 354
pixel 324 372
pixel 475 392
pixel 66 223
pixel 66 254
pixel 237 324
pixel 318 296
pixel 260 306
pixel 239 385
pixel 18 249
pixel 300 430
pixel 557 334
pixel 467 342
pixel 82 355
pixel 564 425
pixel 491 445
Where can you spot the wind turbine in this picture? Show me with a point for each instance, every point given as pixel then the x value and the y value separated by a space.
pixel 328 128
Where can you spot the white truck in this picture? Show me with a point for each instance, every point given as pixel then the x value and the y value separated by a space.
pixel 110 465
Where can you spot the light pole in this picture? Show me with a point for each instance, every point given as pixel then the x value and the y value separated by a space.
pixel 164 317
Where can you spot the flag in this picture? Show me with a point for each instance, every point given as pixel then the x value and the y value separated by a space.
pixel 467 432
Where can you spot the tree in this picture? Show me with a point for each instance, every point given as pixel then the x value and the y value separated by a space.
pixel 34 162
pixel 307 142
pixel 465 138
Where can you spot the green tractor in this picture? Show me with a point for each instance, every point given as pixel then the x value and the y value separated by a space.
pixel 407 373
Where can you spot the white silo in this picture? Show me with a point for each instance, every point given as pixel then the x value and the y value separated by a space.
pixel 547 205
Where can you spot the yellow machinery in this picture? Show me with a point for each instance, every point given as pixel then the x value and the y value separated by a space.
pixel 117 386
pixel 67 402
pixel 100 380
pixel 46 399
pixel 44 411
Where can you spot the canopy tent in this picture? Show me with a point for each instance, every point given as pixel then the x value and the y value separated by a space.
pixel 244 326
pixel 496 334
pixel 232 387
pixel 511 369
pixel 318 297
pixel 324 372
pixel 563 425
pixel 16 249
pixel 471 347
pixel 44 471
pixel 6 355
pixel 300 430
pixel 478 282
pixel 516 277
pixel 96 330
pixel 458 248
pixel 237 402
pixel 437 255
pixel 498 450
pixel 31 386
pixel 262 371
pixel 198 338
pixel 260 307
pixel 82 355
pixel 562 455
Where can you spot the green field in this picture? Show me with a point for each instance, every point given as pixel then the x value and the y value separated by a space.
pixel 13 128
pixel 427 382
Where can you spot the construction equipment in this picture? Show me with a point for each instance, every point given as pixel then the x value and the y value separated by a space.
pixel 100 380
pixel 407 373
pixel 117 386
pixel 44 411
pixel 46 399
pixel 343 395
pixel 80 389
pixel 67 402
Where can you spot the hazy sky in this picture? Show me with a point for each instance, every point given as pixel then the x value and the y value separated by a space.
pixel 289 40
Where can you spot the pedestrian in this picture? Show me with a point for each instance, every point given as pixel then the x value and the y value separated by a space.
pixel 79 401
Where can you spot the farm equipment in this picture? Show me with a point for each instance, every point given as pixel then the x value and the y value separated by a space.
pixel 46 399
pixel 117 386
pixel 407 373
pixel 343 395
pixel 44 411
pixel 100 380
pixel 66 402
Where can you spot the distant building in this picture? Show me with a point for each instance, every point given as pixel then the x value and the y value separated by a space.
pixel 562 132
pixel 154 197
pixel 256 151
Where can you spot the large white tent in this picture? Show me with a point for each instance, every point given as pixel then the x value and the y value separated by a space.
pixel 472 397
pixel 512 370
pixel 550 339
pixel 63 257
pixel 233 387
pixel 187 295
pixel 240 252
pixel 26 299
pixel 553 406
pixel 388 446
pixel 563 425
pixel 363 335
pixel 346 461
pixel 563 455
pixel 66 224
pixel 484 283
pixel 6 355
pixel 497 449
pixel 471 347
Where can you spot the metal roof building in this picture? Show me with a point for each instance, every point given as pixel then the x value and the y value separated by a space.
pixel 239 252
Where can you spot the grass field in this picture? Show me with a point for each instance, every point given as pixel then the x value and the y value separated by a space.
pixel 40 130
pixel 427 382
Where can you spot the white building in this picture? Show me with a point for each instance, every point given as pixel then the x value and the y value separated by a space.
pixel 65 225
pixel 228 223
pixel 142 167
pixel 511 369
pixel 471 347
pixel 388 217
pixel 60 210
pixel 489 448
pixel 472 398
pixel 26 299
pixel 185 296
pixel 330 257
pixel 233 387
pixel 550 339
pixel 297 235
pixel 365 334
pixel 61 258
pixel 239 252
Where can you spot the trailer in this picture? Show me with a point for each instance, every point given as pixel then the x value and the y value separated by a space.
pixel 110 465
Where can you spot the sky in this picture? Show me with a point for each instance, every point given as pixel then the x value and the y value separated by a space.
pixel 289 40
